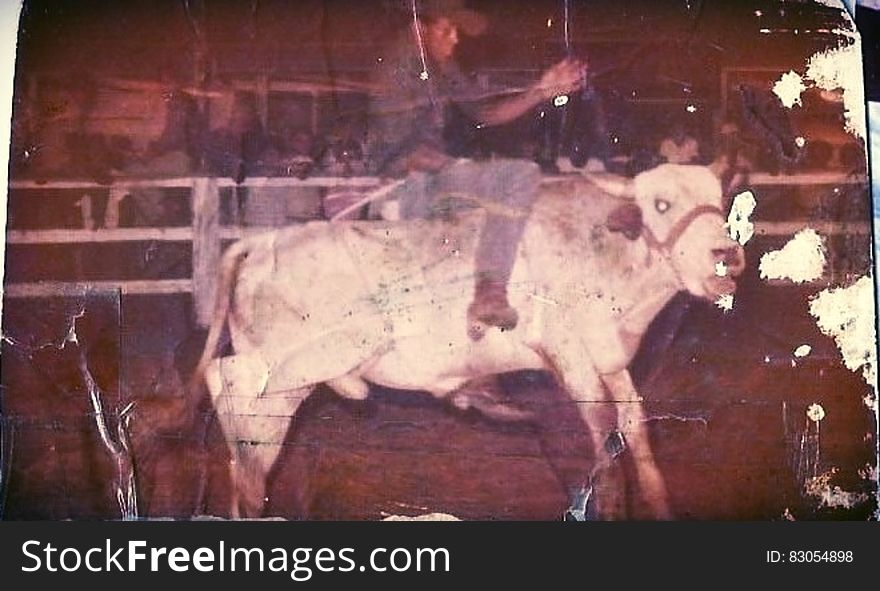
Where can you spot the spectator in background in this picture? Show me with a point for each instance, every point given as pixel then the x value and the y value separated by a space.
pixel 237 150
pixel 183 130
pixel 51 137
pixel 344 154
pixel 173 154
pixel 297 155
pixel 641 159
pixel 291 155
pixel 731 164
pixel 680 147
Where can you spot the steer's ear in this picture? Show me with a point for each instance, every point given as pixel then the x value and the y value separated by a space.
pixel 626 219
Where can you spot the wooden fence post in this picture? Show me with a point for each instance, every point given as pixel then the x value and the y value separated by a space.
pixel 114 201
pixel 86 211
pixel 206 246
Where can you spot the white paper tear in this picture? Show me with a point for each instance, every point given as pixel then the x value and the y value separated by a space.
pixel 869 473
pixel 840 4
pixel 802 351
pixel 725 302
pixel 847 315
pixel 789 88
pixel 835 69
pixel 874 114
pixel 815 412
pixel 738 225
pixel 820 486
pixel 841 68
pixel 426 517
pixel 801 259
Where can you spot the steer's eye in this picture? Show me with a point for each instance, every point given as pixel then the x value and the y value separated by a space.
pixel 661 205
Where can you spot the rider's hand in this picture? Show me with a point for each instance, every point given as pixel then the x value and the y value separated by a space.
pixel 562 78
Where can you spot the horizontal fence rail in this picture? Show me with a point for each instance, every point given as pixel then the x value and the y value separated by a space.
pixel 45 289
pixel 206 232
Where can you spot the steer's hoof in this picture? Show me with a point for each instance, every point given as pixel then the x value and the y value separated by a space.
pixel 571 515
pixel 487 405
pixel 579 509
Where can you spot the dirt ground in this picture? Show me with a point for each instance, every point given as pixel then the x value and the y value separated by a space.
pixel 725 394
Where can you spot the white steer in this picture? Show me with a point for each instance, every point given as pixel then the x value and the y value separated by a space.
pixel 353 303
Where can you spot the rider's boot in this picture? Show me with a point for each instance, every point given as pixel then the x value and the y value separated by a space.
pixel 496 253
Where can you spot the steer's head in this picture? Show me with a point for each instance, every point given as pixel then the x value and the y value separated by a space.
pixel 677 210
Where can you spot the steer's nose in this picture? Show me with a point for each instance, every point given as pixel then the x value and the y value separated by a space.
pixel 732 257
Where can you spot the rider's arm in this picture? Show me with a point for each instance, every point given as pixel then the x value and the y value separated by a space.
pixel 566 76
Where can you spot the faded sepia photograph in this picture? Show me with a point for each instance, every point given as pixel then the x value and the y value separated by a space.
pixel 438 259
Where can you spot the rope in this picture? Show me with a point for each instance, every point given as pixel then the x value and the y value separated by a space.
pixel 424 73
pixel 368 198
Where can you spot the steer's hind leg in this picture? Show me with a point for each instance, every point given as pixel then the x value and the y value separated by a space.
pixel 255 403
pixel 255 419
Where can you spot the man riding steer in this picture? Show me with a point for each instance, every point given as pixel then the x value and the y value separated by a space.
pixel 348 304
pixel 418 81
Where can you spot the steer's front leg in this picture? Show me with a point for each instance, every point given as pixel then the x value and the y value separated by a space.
pixel 631 419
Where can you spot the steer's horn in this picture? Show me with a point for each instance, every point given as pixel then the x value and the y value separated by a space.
pixel 613 184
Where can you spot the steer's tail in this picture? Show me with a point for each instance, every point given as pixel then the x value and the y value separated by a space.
pixel 229 264
pixel 162 416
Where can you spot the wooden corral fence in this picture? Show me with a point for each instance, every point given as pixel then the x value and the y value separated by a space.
pixel 206 232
